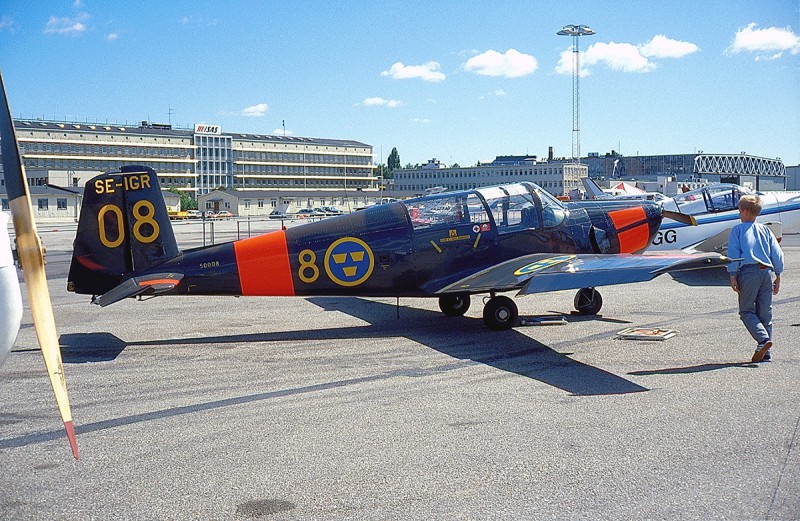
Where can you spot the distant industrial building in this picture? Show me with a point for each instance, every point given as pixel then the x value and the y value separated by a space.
pixel 759 173
pixel 793 177
pixel 195 161
pixel 557 176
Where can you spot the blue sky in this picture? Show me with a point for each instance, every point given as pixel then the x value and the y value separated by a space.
pixel 456 80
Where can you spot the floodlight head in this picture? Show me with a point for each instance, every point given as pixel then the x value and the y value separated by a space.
pixel 576 30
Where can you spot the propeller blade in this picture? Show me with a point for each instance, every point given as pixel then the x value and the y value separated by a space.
pixel 29 249
pixel 680 217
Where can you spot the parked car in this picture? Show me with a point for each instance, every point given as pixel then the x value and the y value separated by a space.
pixel 277 214
pixel 330 210
pixel 306 213
pixel 193 214
pixel 222 214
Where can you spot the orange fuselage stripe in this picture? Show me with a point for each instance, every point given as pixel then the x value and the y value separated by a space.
pixel 635 239
pixel 263 264
pixel 627 217
pixel 637 236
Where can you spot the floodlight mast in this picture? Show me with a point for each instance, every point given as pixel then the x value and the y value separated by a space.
pixel 576 31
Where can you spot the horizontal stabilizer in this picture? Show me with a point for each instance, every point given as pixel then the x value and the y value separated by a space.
pixel 153 284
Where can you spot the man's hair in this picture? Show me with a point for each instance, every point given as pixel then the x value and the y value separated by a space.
pixel 750 204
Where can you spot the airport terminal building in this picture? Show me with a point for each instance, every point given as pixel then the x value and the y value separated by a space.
pixel 196 161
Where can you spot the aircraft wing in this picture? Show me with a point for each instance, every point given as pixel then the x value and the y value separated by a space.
pixel 719 243
pixel 539 273
pixel 716 243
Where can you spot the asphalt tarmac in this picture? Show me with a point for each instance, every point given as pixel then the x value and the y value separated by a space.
pixel 350 408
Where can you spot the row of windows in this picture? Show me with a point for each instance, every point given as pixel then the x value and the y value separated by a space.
pixel 111 150
pixel 104 165
pixel 318 170
pixel 287 157
pixel 569 184
pixel 478 173
pixel 306 183
pixel 43 204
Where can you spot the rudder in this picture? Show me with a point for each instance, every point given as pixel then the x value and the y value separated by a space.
pixel 124 229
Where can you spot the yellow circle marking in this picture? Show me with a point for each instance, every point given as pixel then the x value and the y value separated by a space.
pixel 542 264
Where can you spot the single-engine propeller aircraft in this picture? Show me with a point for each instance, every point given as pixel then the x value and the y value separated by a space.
pixel 715 211
pixel 715 208
pixel 449 245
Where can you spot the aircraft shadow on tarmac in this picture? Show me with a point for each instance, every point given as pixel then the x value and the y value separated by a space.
pixel 465 339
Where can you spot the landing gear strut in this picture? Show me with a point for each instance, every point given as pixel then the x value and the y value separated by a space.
pixel 588 301
pixel 454 305
pixel 500 313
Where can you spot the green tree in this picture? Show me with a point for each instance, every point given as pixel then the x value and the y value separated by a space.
pixel 187 203
pixel 394 160
pixel 382 170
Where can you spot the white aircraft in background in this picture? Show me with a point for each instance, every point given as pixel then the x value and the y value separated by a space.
pixel 10 297
pixel 623 192
pixel 715 208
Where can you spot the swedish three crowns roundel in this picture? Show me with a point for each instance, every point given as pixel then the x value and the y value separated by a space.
pixel 349 261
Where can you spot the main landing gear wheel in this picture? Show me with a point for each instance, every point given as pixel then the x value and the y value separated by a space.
pixel 500 313
pixel 588 301
pixel 454 305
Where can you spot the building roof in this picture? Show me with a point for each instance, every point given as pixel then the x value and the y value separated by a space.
pixel 166 129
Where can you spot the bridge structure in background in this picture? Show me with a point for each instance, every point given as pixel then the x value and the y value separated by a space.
pixel 738 164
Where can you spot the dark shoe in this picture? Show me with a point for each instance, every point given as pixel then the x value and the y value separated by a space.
pixel 761 351
pixel 767 357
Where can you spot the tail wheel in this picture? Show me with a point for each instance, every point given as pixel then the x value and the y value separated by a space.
pixel 454 305
pixel 588 301
pixel 500 313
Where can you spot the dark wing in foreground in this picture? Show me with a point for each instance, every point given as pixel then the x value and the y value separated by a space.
pixel 538 273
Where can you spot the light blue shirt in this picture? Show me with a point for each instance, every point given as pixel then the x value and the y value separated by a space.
pixel 754 243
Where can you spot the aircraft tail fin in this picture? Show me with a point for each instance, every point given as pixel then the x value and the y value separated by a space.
pixel 593 190
pixel 123 230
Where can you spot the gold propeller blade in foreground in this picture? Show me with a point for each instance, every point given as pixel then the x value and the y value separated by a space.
pixel 29 249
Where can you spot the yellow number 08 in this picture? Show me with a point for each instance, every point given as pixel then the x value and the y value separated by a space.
pixel 140 218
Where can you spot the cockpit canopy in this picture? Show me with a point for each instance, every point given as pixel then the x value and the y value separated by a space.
pixel 710 199
pixel 506 207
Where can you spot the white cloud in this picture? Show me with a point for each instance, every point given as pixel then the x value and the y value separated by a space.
pixel 198 21
pixel 112 37
pixel 255 111
pixel 618 56
pixel 566 63
pixel 6 24
pixel 69 26
pixel 282 132
pixel 512 64
pixel 774 40
pixel 428 72
pixel 662 47
pixel 420 120
pixel 499 92
pixel 380 102
pixel 625 57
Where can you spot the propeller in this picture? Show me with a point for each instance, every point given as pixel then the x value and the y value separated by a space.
pixel 31 257
pixel 680 217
